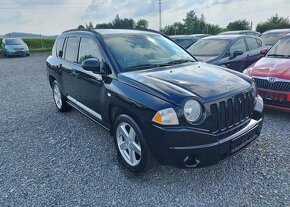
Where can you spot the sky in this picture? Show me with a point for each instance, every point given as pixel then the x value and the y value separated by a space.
pixel 51 17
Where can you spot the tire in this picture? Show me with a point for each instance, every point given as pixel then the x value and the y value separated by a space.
pixel 59 98
pixel 143 158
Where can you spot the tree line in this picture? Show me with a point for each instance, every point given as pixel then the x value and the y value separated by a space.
pixel 193 24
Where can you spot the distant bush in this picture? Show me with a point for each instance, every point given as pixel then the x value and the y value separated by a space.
pixel 34 43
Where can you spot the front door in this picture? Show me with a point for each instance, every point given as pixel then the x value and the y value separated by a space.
pixel 89 86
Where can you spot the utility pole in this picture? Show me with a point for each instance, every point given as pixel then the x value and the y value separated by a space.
pixel 160 26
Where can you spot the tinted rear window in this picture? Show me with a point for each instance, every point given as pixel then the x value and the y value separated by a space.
pixel 72 47
pixel 272 38
pixel 59 46
pixel 14 42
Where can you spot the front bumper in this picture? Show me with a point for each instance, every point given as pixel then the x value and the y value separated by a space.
pixel 17 53
pixel 279 100
pixel 188 147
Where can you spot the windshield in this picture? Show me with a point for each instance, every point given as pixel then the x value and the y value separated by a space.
pixel 282 48
pixel 16 41
pixel 271 38
pixel 135 52
pixel 208 47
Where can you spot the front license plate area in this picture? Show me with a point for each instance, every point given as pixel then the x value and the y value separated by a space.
pixel 243 140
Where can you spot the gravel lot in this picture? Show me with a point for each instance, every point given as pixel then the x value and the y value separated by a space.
pixel 49 158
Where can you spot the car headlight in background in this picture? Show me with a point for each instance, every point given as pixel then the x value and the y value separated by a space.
pixel 166 117
pixel 246 72
pixel 192 110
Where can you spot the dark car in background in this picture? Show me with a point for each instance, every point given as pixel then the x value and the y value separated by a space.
pixel 14 47
pixel 272 75
pixel 235 52
pixel 154 97
pixel 199 36
pixel 272 36
pixel 242 32
pixel 184 40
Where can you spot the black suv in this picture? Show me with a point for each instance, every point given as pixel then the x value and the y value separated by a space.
pixel 158 102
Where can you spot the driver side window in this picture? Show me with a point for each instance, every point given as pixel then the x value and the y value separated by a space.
pixel 238 46
pixel 89 49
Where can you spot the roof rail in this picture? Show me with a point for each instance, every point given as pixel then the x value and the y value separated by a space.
pixel 79 29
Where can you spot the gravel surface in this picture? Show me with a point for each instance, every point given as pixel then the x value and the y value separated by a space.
pixel 49 158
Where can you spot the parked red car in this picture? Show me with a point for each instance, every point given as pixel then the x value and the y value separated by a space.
pixel 272 75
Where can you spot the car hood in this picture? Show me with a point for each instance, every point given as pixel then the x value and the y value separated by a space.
pixel 205 58
pixel 271 67
pixel 176 83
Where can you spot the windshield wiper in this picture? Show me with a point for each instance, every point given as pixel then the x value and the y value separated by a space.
pixel 144 66
pixel 277 55
pixel 174 62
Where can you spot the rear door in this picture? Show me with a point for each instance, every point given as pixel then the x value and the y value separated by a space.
pixel 70 66
pixel 254 53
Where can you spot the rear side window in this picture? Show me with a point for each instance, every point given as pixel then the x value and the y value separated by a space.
pixel 252 43
pixel 238 46
pixel 72 47
pixel 59 47
pixel 89 49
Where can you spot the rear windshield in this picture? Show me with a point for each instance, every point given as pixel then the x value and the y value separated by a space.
pixel 282 48
pixel 14 42
pixel 272 38
pixel 208 47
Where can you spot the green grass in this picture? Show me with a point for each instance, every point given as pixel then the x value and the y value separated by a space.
pixel 36 44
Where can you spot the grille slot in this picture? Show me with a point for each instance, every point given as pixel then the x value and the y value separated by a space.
pixel 231 112
pixel 276 86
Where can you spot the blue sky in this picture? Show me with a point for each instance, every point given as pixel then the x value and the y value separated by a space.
pixel 55 16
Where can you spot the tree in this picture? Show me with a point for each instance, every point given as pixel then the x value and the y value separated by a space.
pixel 275 22
pixel 142 24
pixel 104 26
pixel 239 25
pixel 90 26
pixel 123 23
pixel 81 27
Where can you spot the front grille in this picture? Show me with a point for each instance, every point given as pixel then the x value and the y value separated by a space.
pixel 276 86
pixel 231 112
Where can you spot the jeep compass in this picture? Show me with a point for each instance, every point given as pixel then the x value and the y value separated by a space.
pixel 157 101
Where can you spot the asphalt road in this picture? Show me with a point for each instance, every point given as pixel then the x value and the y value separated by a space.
pixel 49 158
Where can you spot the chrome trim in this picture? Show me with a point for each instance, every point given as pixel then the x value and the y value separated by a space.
pixel 95 114
pixel 276 79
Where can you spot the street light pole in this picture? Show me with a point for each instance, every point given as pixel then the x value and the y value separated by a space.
pixel 160 26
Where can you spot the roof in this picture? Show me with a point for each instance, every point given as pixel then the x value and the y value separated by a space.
pixel 224 37
pixel 277 30
pixel 238 31
pixel 113 31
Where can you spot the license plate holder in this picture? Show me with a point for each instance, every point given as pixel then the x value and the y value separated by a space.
pixel 243 140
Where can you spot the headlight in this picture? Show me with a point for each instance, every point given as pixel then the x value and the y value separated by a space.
pixel 192 110
pixel 166 117
pixel 254 87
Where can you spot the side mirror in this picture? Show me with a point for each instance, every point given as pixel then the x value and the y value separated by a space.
pixel 264 51
pixel 236 53
pixel 92 64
